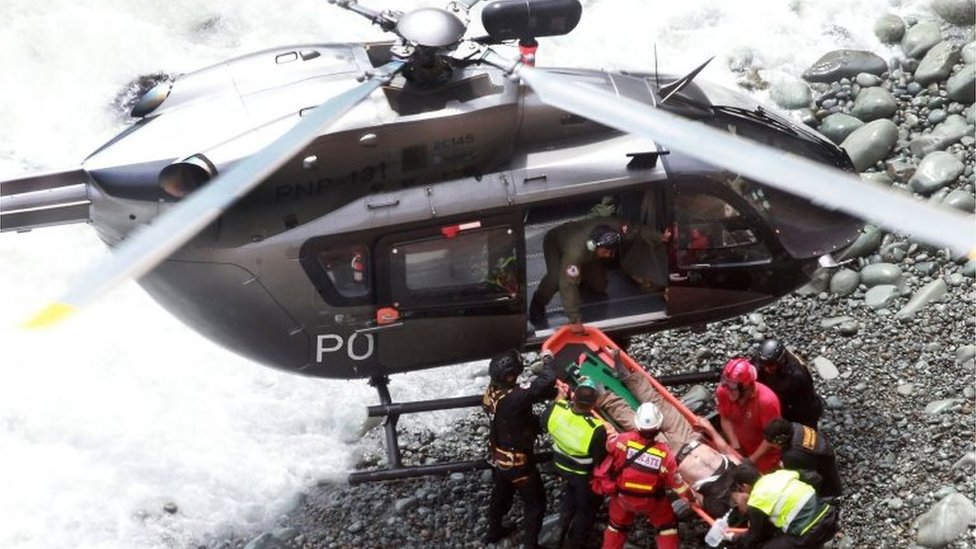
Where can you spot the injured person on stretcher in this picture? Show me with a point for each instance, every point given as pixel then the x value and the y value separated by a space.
pixel 702 454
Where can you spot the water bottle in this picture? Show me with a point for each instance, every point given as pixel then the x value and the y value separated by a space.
pixel 716 534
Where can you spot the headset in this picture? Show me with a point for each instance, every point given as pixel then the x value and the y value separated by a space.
pixel 602 236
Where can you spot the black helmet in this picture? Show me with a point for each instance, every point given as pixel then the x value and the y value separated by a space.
pixel 505 365
pixel 771 351
pixel 603 236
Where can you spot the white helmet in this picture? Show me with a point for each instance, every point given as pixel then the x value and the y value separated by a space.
pixel 648 417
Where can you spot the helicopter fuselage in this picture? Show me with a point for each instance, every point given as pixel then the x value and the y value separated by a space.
pixel 410 234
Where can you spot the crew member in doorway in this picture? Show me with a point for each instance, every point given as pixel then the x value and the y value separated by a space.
pixel 576 253
pixel 745 407
pixel 784 512
pixel 511 439
pixel 790 379
pixel 803 448
pixel 579 441
pixel 646 470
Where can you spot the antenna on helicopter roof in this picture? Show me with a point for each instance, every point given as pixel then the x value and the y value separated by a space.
pixel 679 84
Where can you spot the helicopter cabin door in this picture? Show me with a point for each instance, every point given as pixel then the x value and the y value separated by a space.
pixel 451 291
pixel 722 254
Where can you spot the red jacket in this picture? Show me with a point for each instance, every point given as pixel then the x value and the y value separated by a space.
pixel 648 475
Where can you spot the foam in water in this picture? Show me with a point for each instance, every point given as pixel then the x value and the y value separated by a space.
pixel 106 419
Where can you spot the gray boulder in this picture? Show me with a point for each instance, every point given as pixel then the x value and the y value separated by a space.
pixel 961 86
pixel 920 38
pixel 931 291
pixel 844 282
pixel 936 170
pixel 889 28
pixel 874 103
pixel 836 127
pixel 937 63
pixel 960 200
pixel 881 296
pixel 839 64
pixel 957 12
pixel 953 129
pixel 969 53
pixel 790 93
pixel 881 273
pixel 948 519
pixel 871 143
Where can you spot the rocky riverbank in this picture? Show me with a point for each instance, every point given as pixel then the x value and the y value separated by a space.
pixel 890 334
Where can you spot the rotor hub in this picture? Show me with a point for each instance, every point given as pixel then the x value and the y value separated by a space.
pixel 430 27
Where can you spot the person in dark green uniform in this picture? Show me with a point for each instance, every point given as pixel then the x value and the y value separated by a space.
pixel 575 254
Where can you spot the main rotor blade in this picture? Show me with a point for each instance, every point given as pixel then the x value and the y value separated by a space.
pixel 884 206
pixel 148 246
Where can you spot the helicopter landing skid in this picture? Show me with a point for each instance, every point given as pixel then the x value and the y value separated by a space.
pixel 395 470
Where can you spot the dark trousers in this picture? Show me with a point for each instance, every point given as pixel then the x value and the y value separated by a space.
pixel 817 536
pixel 527 482
pixel 579 509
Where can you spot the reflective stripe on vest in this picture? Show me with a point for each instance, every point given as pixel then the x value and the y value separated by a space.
pixel 572 434
pixel 781 495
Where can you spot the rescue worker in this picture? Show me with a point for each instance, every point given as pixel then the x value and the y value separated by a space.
pixel 575 254
pixel 804 449
pixel 511 439
pixel 783 511
pixel 745 407
pixel 579 443
pixel 790 379
pixel 645 469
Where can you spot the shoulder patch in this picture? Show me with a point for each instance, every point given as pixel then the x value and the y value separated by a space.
pixel 572 271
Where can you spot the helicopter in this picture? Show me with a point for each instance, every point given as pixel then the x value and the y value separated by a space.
pixel 336 210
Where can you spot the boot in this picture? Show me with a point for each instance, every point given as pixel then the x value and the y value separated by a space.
pixel 537 314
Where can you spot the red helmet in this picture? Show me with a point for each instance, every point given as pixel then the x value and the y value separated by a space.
pixel 740 372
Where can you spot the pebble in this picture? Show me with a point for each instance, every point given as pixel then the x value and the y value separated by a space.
pixel 961 86
pixel 881 273
pixel 939 406
pixel 838 64
pixel 838 126
pixel 931 291
pixel 957 12
pixel 874 103
pixel 844 282
pixel 880 296
pixel 825 368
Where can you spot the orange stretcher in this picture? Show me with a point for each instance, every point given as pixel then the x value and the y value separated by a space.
pixel 592 355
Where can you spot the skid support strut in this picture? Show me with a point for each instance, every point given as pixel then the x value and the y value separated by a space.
pixel 395 469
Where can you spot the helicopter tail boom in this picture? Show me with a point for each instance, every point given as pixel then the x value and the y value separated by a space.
pixel 44 200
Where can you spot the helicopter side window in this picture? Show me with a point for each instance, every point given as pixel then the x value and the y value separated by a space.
pixel 471 266
pixel 711 231
pixel 346 270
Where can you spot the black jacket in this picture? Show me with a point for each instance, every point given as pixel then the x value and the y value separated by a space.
pixel 513 425
pixel 793 384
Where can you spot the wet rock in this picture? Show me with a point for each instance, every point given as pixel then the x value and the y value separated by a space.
pixel 838 126
pixel 889 28
pixel 868 80
pixel 931 291
pixel 966 463
pixel 969 53
pixel 905 389
pixel 871 143
pixel 937 63
pixel 961 86
pixel 406 504
pixel 949 132
pixel 936 170
pixel 920 38
pixel 960 200
pixel 874 103
pixel 879 297
pixel 844 282
pixel 834 402
pixel 839 64
pixel 881 273
pixel 957 12
pixel 790 93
